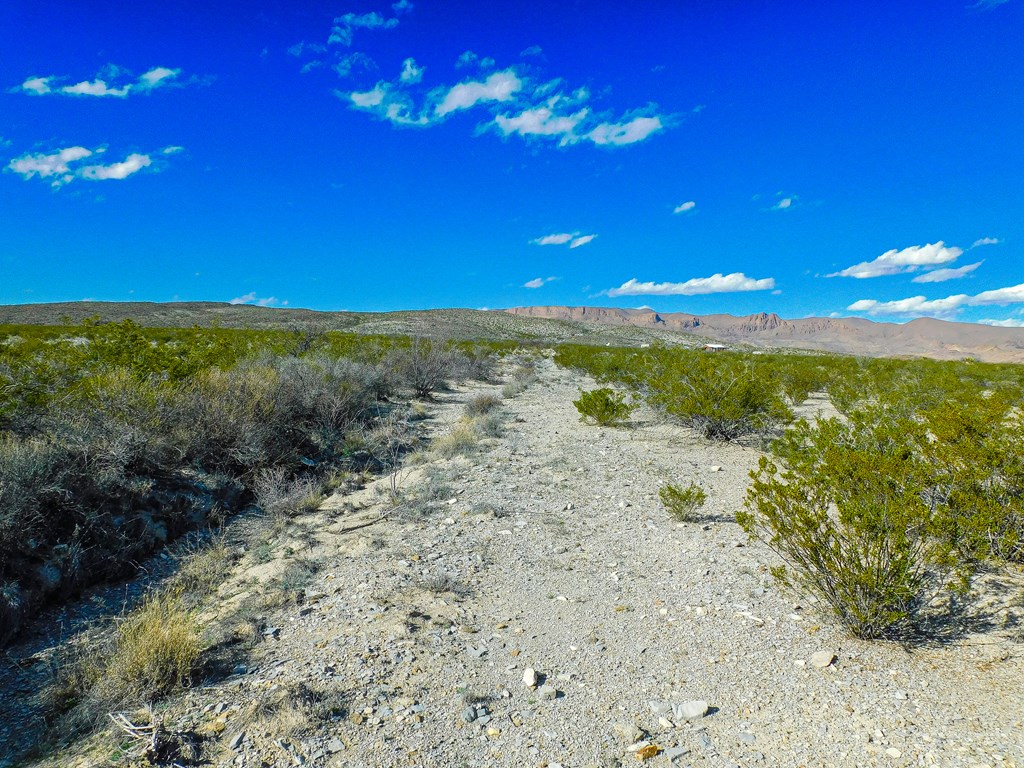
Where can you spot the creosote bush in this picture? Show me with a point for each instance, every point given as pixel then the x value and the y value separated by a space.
pixel 859 520
pixel 603 406
pixel 681 503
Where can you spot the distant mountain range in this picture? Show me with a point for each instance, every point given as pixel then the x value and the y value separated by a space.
pixel 593 325
pixel 924 337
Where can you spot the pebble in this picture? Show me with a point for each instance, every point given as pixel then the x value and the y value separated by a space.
pixel 691 710
pixel 468 715
pixel 548 692
pixel 530 677
pixel 822 659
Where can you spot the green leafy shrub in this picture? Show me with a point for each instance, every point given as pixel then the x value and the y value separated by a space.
pixel 603 406
pixel 722 396
pixel 681 503
pixel 858 520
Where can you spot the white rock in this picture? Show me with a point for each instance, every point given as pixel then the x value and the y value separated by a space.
pixel 690 710
pixel 716 468
pixel 893 752
pixel 822 659
pixel 548 692
pixel 530 677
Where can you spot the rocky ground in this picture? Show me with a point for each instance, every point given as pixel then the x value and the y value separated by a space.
pixel 538 607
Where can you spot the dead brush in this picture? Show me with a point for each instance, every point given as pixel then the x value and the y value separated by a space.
pixel 281 496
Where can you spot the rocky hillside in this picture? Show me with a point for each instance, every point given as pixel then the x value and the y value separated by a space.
pixel 924 337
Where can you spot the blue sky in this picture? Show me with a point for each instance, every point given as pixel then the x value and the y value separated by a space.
pixel 853 159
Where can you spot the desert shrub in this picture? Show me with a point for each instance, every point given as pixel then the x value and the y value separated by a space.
pixel 681 503
pixel 603 406
pixel 856 517
pixel 722 396
pixel 481 404
pixel 426 366
pixel 280 495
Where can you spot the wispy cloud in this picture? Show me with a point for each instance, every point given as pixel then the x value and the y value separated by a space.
pixel 410 72
pixel 1007 323
pixel 538 282
pixel 717 283
pixel 345 27
pixel 100 87
pixel 518 104
pixel 501 86
pixel 986 5
pixel 628 132
pixel 470 59
pixel 985 241
pixel 557 239
pixel 784 203
pixel 947 307
pixel 574 239
pixel 896 262
pixel 65 165
pixel 252 298
pixel 689 205
pixel 942 275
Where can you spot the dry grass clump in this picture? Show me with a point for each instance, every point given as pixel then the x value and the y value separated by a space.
pixel 482 404
pixel 157 650
pixel 464 439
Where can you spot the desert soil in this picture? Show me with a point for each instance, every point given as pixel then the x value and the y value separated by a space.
pixel 548 549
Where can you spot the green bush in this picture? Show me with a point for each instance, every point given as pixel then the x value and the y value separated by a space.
pixel 858 519
pixel 722 396
pixel 681 503
pixel 603 406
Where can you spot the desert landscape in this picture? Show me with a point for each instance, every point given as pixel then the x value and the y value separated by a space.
pixel 417 384
pixel 497 575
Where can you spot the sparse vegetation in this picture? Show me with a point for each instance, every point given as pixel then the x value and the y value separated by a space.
pixel 115 439
pixel 682 502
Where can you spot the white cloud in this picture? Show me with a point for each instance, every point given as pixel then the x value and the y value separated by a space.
pixel 100 87
pixel 369 99
pixel 538 282
pixel 500 86
pixel 37 85
pixel 919 305
pixel 910 259
pixel 533 50
pixel 350 62
pixel 251 298
pixel 541 121
pixel 156 77
pixel 45 166
pixel 574 239
pixel 717 283
pixel 783 204
pixel 689 205
pixel 630 132
pixel 410 72
pixel 558 239
pixel 134 163
pixel 345 26
pixel 517 104
pixel 1008 323
pixel 172 150
pixel 942 275
pixel 986 241
pixel 95 88
pixel 402 6
pixel 62 166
